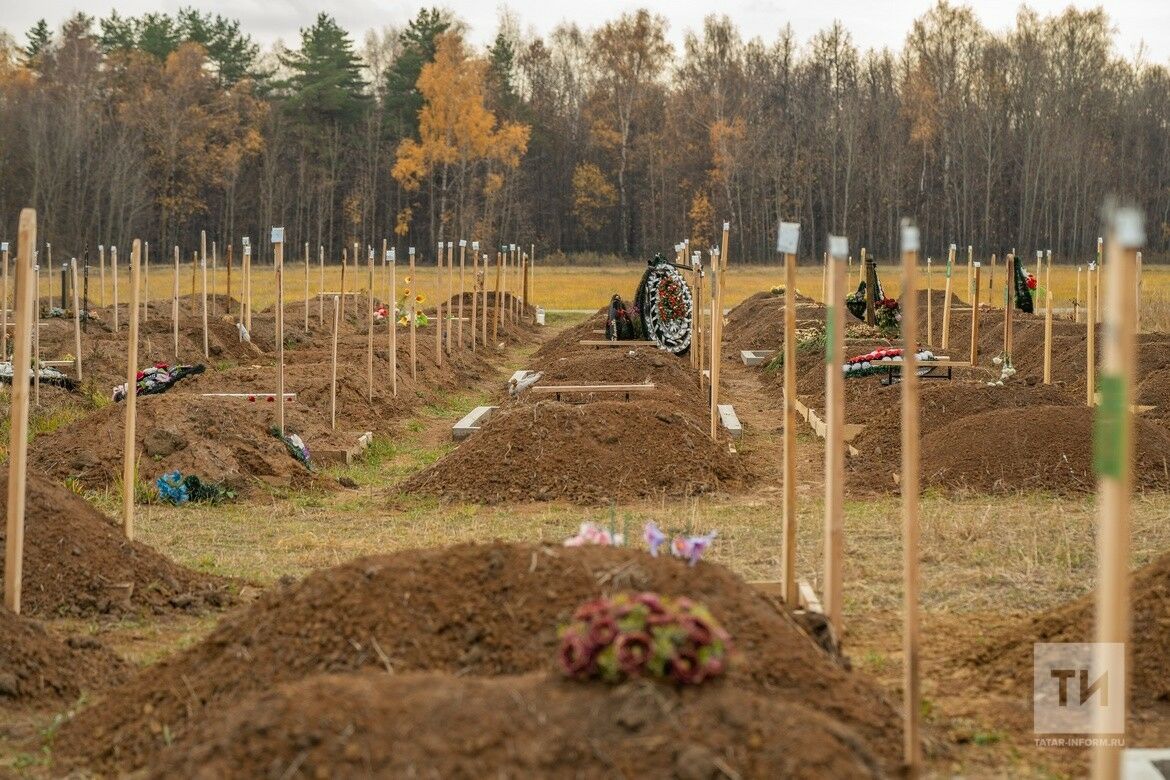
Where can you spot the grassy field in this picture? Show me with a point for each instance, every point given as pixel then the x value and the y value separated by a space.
pixel 576 287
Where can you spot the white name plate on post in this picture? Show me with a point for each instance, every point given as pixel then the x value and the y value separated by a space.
pixel 278 235
pixel 788 239
pixel 838 247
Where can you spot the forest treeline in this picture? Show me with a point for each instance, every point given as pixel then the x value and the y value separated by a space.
pixel 606 140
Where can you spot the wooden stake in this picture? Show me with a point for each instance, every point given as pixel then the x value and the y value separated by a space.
pixel 129 481
pixel 76 320
pixel 1048 337
pixel 248 285
pixel 1137 323
pixel 991 284
pixel 929 302
pixel 203 268
pixel 369 325
pixel 911 471
pixel 439 307
pixel 474 292
pixel 114 273
pixel 945 342
pixel 788 243
pixel 102 272
pixel 450 290
pixel 36 332
pixel 717 326
pixel 483 309
pixel 1091 335
pixel 1077 300
pixel 412 293
pixel 1009 304
pixel 834 437
pixel 175 304
pixel 1097 282
pixel 392 307
pixel 278 262
pixel 228 302
pixel 499 301
pixel 1114 467
pixel 321 286
pixel 462 286
pixel 22 312
pixel 4 308
pixel 975 316
pixel 306 287
pixel 333 372
pixel 145 281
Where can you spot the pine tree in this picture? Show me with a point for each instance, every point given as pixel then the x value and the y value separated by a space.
pixel 326 87
pixel 231 52
pixel 403 101
pixel 40 38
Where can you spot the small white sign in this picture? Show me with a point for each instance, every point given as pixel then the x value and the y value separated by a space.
pixel 247 242
pixel 910 238
pixel 726 226
pixel 1039 254
pixel 371 254
pixel 450 245
pixel 462 242
pixel 278 235
pixel 247 251
pixel 3 246
pixel 411 250
pixel 978 264
pixel 389 255
pixel 953 247
pixel 475 246
pixel 788 239
pixel 838 247
pixel 512 247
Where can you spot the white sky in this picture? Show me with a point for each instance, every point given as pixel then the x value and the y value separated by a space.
pixel 873 23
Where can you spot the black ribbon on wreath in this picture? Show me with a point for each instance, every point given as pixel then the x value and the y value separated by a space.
pixel 855 303
pixel 1023 294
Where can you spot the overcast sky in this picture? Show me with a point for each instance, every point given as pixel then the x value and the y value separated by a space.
pixel 873 23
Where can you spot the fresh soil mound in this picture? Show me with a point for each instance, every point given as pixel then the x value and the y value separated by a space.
pixel 1006 660
pixel 591 453
pixel 1154 391
pixel 565 342
pixel 528 726
pixel 758 322
pixel 38 670
pixel 78 562
pixel 941 404
pixel 1047 448
pixel 217 439
pixel 467 610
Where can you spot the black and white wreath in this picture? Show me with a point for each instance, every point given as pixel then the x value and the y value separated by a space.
pixel 664 301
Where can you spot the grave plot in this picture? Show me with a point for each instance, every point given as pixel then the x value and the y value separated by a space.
pixel 78 562
pixel 477 621
pixel 40 671
pixel 215 440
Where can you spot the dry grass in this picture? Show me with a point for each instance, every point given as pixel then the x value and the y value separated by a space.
pixel 578 287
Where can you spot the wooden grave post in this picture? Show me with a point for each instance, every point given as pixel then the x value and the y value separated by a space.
pixel 834 436
pixel 114 274
pixel 439 306
pixel 1048 337
pixel 129 479
pixel 145 281
pixel 49 266
pixel 36 335
pixel 825 277
pixel 175 304
pixel 462 286
pixel 483 309
pixel 474 291
pixel 991 284
pixel 870 292
pixel 369 327
pixel 861 273
pixel 4 306
pixel 76 319
pixel 333 370
pixel 247 285
pixel 450 291
pixel 1097 281
pixel 392 308
pixel 102 273
pixel 278 263
pixel 1137 324
pixel 411 293
pixel 321 285
pixel 787 243
pixel 227 306
pixel 970 272
pixel 22 314
pixel 499 316
pixel 203 269
pixel 929 302
pixel 1091 334
pixel 1113 463
pixel 306 287
pixel 975 315
pixel 909 483
pixel 1009 304
pixel 945 341
pixel 713 365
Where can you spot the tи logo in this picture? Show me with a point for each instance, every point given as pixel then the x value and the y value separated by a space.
pixel 1078 688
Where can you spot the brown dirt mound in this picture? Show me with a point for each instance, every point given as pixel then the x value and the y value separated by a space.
pixel 531 725
pixel 758 322
pixel 1007 659
pixel 466 610
pixel 1154 391
pixel 591 453
pixel 1047 448
pixel 37 669
pixel 565 342
pixel 879 408
pixel 78 562
pixel 216 439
